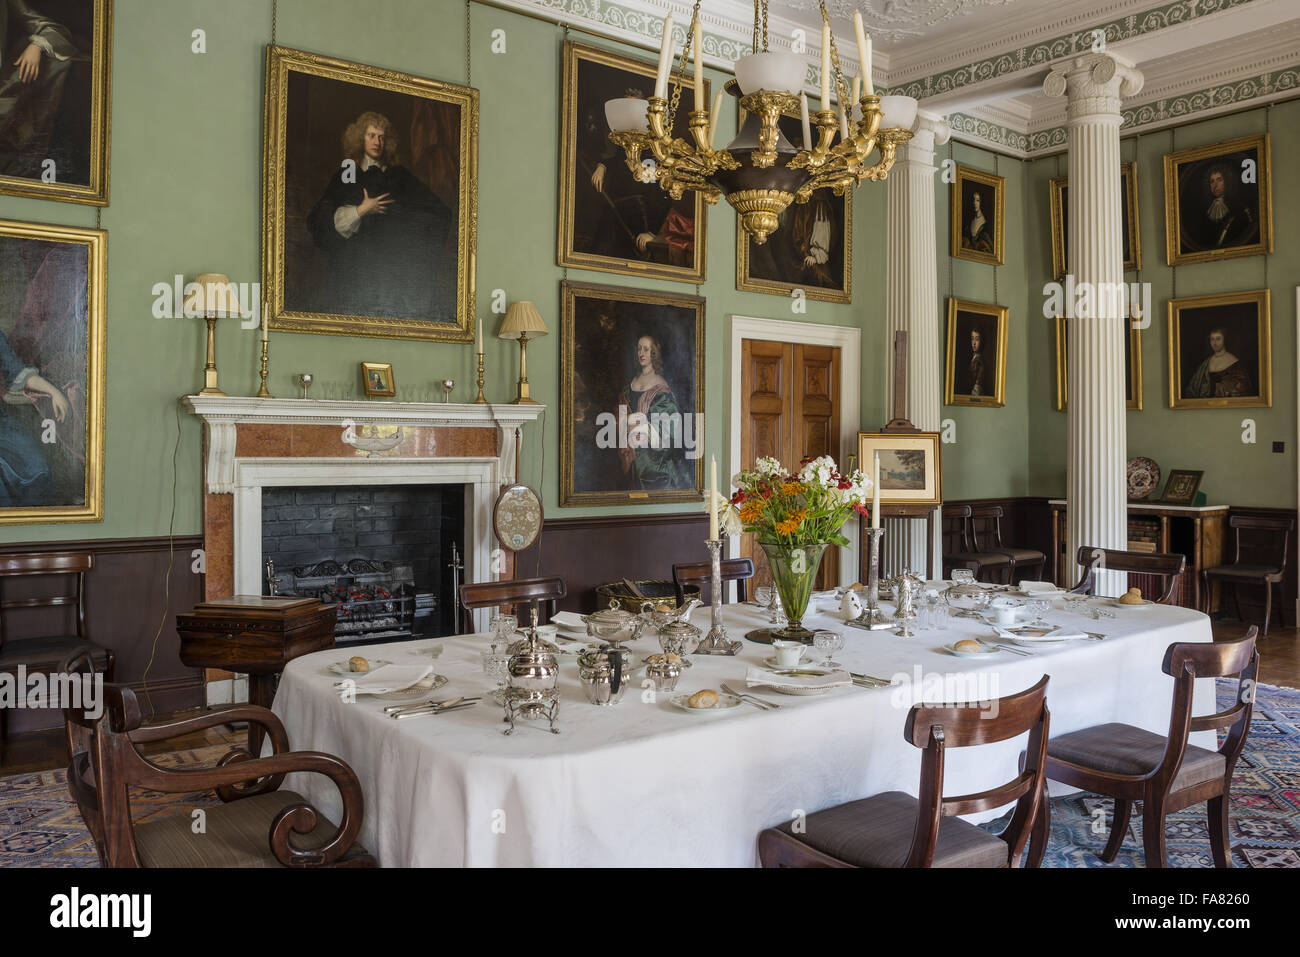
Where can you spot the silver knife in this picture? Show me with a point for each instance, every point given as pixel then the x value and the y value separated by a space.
pixel 420 704
pixel 763 702
pixel 433 705
pixel 426 711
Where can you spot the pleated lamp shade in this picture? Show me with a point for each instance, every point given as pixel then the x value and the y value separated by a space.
pixel 522 317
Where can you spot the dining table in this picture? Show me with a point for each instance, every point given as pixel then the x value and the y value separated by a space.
pixel 646 783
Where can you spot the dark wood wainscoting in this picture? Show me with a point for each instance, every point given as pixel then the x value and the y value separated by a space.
pixel 125 606
pixel 587 552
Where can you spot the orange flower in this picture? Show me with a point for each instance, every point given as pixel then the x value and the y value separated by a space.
pixel 791 524
pixel 750 514
pixel 791 488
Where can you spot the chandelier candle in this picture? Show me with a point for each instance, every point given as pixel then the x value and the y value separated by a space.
pixel 665 59
pixel 826 67
pixel 864 53
pixel 803 117
pixel 698 42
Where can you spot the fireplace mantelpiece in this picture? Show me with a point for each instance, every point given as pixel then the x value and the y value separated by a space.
pixel 250 443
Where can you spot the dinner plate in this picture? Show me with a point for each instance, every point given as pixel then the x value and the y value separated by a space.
pixel 1145 604
pixel 726 702
pixel 1031 636
pixel 423 686
pixel 771 662
pixel 341 667
pixel 428 651
pixel 984 650
pixel 802 673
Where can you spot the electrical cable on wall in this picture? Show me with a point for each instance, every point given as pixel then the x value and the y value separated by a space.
pixel 171 558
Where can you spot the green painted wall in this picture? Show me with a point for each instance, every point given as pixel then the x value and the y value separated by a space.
pixel 186 198
pixel 1235 473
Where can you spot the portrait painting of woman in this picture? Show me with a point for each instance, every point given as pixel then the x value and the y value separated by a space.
pixel 52 370
pixel 1220 351
pixel 977 225
pixel 631 393
pixel 369 201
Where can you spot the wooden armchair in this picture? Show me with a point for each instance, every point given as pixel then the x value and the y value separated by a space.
pixel 985 565
pixel 256 825
pixel 1166 774
pixel 45 653
pixel 1268 572
pixel 737 570
pixel 529 591
pixel 897 830
pixel 1163 565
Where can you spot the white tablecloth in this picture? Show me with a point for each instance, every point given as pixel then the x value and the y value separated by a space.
pixel 643 783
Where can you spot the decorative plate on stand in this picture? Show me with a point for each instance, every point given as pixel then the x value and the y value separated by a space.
pixel 1143 477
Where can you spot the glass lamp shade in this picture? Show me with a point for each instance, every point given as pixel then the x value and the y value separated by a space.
pixel 899 112
pixel 627 114
pixel 776 72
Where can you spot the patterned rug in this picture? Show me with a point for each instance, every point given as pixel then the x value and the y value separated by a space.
pixel 41 827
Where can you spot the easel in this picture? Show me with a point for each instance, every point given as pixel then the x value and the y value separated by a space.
pixel 900 424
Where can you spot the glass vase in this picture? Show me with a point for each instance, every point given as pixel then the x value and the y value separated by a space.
pixel 794 569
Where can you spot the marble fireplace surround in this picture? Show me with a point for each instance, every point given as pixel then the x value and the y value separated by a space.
pixel 251 443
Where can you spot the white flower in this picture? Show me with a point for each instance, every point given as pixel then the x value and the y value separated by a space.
pixel 818 471
pixel 768 467
pixel 731 523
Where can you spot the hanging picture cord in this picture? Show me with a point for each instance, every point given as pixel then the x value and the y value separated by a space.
pixel 1268 116
pixel 1002 228
pixel 468 4
pixel 951 166
pixel 1173 270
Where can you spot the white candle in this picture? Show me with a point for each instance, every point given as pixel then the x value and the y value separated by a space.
pixel 713 498
pixel 698 43
pixel 826 67
pixel 875 492
pixel 264 329
pixel 844 124
pixel 665 59
pixel 480 336
pixel 803 116
pixel 713 116
pixel 857 91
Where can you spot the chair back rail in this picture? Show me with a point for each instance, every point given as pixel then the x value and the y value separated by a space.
pixel 936 728
pixel 961 514
pixel 1165 565
pixel 520 591
pixel 991 516
pixel 29 564
pixel 1263 523
pixel 738 570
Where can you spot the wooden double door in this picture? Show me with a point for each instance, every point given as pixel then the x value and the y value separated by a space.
pixel 789 410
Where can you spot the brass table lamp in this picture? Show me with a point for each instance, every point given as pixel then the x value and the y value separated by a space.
pixel 212 297
pixel 522 322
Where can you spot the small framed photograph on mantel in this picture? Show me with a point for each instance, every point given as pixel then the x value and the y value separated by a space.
pixel 377 380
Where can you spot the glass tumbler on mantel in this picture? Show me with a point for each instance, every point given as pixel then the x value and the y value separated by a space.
pixel 794 570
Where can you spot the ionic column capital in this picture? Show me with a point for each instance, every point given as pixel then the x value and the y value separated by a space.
pixel 1094 84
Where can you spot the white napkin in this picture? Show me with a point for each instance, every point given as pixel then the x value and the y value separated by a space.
pixel 1033 587
pixel 757 677
pixel 1051 636
pixel 388 678
pixel 570 621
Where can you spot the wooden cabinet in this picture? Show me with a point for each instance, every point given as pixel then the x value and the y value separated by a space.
pixel 1197 532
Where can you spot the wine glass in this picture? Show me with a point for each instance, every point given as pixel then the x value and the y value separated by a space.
pixel 503 628
pixel 963 576
pixel 763 596
pixel 828 642
pixel 1039 607
pixel 496 664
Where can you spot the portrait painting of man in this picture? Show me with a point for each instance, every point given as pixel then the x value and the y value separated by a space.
pixel 977 227
pixel 54 68
pixel 1131 237
pixel 611 217
pixel 1218 201
pixel 631 395
pixel 811 248
pixel 1220 352
pixel 975 372
pixel 370 214
pixel 52 368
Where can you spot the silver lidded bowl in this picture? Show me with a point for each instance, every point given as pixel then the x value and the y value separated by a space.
pixel 613 625
pixel 665 674
pixel 681 638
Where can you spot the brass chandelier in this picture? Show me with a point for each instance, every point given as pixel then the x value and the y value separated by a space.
pixel 760 172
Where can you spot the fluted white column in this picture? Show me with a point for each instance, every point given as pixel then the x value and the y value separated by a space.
pixel 912 305
pixel 1096 486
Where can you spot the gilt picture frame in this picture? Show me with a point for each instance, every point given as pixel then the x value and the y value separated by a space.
pixel 611 219
pixel 377 380
pixel 911 471
pixel 1219 201
pixel 1221 351
pixel 978 221
pixel 1132 231
pixel 53 354
pixel 1132 366
pixel 977 339
pixel 369 200
pixel 631 396
pixel 55 125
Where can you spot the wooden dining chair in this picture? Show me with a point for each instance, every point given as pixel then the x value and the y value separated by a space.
pixel 257 824
pixel 43 654
pixel 738 570
pixel 1167 566
pixel 1165 773
pixel 967 554
pixel 522 591
pixel 1268 572
pixel 1026 562
pixel 894 829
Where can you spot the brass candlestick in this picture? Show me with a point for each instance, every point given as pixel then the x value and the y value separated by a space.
pixel 210 365
pixel 264 392
pixel 481 400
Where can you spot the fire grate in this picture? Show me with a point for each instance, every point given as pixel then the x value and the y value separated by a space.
pixel 375 600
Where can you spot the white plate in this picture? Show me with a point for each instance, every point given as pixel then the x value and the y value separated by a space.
pixel 568 646
pixel 951 649
pixel 1145 604
pixel 341 667
pixel 428 651
pixel 726 702
pixel 1027 639
pixel 803 671
pixel 771 662
pixel 421 687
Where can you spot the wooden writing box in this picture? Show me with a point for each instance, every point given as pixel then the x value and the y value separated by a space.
pixel 253 633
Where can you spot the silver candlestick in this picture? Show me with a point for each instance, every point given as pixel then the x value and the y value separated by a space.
pixel 872 617
pixel 717 642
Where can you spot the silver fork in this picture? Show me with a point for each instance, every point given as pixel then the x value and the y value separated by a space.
pixel 1015 651
pixel 760 703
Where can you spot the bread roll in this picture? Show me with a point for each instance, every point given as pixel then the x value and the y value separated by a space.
pixel 707 698
pixel 1131 597
pixel 358 663
pixel 967 645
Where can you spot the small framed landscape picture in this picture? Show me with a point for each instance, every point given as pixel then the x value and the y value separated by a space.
pixel 1220 352
pixel 1181 487
pixel 377 379
pixel 909 466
